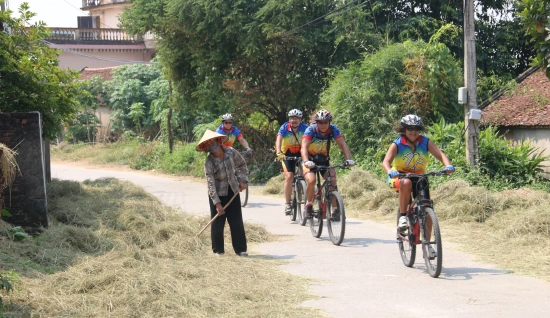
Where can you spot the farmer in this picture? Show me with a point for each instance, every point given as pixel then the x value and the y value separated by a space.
pixel 226 175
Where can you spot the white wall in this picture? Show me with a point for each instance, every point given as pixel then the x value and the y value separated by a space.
pixel 540 138
pixel 77 62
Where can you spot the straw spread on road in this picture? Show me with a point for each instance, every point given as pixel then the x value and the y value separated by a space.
pixel 113 249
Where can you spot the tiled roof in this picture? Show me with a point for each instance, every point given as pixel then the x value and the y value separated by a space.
pixel 105 72
pixel 527 104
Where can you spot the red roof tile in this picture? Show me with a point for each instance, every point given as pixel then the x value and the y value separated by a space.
pixel 105 72
pixel 527 104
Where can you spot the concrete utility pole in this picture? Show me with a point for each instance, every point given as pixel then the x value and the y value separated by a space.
pixel 470 83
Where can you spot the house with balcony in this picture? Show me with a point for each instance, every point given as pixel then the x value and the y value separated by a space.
pixel 97 42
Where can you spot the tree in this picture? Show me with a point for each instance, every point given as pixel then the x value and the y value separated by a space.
pixel 369 97
pixel 535 15
pixel 237 55
pixel 30 79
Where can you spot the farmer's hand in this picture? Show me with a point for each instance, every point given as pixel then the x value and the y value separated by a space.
pixel 243 185
pixel 220 209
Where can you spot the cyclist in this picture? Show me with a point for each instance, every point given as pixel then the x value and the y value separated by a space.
pixel 315 151
pixel 232 132
pixel 409 154
pixel 287 146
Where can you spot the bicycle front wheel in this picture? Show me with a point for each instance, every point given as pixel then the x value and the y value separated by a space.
pixel 433 262
pixel 316 221
pixel 405 240
pixel 245 197
pixel 293 204
pixel 301 201
pixel 336 225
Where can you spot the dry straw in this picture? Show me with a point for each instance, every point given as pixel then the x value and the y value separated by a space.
pixel 8 166
pixel 114 251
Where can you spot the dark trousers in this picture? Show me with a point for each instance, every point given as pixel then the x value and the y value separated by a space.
pixel 234 216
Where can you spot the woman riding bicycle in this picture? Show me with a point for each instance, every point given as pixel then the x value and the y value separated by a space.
pixel 315 151
pixel 409 154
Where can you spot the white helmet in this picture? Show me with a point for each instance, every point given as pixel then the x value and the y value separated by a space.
pixel 411 120
pixel 295 113
pixel 227 117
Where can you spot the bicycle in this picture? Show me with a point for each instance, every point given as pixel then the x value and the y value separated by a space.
pixel 417 231
pixel 243 202
pixel 298 197
pixel 322 207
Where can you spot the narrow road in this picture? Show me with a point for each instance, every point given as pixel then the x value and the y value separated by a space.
pixel 364 276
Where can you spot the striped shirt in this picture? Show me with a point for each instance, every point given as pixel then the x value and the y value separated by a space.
pixel 222 174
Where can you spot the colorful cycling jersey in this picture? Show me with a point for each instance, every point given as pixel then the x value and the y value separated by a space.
pixel 235 133
pixel 318 146
pixel 290 145
pixel 408 161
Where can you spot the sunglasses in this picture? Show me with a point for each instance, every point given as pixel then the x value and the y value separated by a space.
pixel 228 122
pixel 413 128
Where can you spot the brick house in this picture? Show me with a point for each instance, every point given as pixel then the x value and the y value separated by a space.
pixel 523 112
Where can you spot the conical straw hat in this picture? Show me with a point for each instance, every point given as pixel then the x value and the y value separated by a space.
pixel 209 135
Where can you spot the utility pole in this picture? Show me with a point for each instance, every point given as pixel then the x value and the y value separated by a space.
pixel 470 77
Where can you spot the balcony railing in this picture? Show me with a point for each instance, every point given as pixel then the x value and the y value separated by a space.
pixel 95 3
pixel 91 36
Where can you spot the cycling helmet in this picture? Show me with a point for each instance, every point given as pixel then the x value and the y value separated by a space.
pixel 295 113
pixel 323 115
pixel 411 120
pixel 227 117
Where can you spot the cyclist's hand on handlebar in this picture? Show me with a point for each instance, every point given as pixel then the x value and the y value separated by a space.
pixel 392 173
pixel 450 169
pixel 248 150
pixel 350 162
pixel 281 156
pixel 309 164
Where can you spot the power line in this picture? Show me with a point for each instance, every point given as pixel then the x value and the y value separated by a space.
pixel 324 16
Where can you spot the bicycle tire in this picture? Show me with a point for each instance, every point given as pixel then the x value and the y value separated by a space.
pixel 407 248
pixel 293 203
pixel 243 202
pixel 433 265
pixel 336 228
pixel 301 203
pixel 316 220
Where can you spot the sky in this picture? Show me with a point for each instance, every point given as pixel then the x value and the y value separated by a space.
pixel 56 13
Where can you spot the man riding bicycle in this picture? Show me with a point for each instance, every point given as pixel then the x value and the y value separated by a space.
pixel 409 154
pixel 315 151
pixel 287 147
pixel 232 132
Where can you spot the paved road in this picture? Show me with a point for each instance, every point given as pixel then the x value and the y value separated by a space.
pixel 364 276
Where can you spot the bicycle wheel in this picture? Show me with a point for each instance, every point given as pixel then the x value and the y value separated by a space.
pixel 316 221
pixel 301 201
pixel 405 240
pixel 433 264
pixel 293 204
pixel 245 197
pixel 336 226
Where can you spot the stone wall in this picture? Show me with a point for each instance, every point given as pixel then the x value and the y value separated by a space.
pixel 27 201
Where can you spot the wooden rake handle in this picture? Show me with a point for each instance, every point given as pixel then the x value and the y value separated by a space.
pixel 216 216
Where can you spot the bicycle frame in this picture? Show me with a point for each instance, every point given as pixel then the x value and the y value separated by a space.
pixel 416 209
pixel 327 183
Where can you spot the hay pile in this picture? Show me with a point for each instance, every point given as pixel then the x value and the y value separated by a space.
pixel 8 167
pixel 114 250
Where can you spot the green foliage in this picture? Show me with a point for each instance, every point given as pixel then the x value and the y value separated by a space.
pixel 534 15
pixel 488 84
pixel 16 233
pixel 5 213
pixel 368 98
pixel 83 128
pixel 30 77
pixel 501 164
pixel 7 281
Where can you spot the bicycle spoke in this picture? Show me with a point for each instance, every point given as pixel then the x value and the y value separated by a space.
pixel 405 240
pixel 336 225
pixel 433 262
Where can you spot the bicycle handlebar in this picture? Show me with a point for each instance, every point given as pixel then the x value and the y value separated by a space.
pixel 423 175
pixel 341 166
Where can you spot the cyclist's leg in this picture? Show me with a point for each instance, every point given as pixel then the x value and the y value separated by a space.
pixel 288 169
pixel 310 184
pixel 405 189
